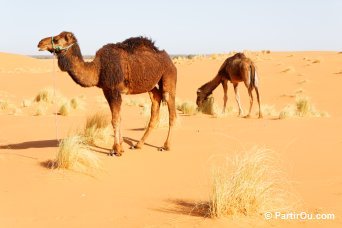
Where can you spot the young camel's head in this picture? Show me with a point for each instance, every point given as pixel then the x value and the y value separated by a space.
pixel 201 97
pixel 57 44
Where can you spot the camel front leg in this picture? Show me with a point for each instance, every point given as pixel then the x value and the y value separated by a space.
pixel 114 100
pixel 225 94
pixel 237 98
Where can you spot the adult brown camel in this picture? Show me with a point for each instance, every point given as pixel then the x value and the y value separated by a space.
pixel 237 68
pixel 133 66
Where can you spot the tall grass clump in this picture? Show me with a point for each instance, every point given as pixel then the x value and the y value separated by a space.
pixel 73 154
pixel 302 108
pixel 251 184
pixel 209 107
pixel 77 103
pixel 65 109
pixel 4 104
pixel 46 95
pixel 97 128
pixel 188 108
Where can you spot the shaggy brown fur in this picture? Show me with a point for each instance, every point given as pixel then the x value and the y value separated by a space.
pixel 131 67
pixel 235 69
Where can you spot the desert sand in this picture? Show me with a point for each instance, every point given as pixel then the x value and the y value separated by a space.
pixel 148 188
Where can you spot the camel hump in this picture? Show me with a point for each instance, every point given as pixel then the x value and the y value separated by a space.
pixel 135 43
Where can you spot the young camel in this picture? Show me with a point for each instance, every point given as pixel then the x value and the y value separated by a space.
pixel 235 69
pixel 133 66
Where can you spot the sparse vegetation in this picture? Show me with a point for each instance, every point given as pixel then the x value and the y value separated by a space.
pixel 268 110
pixel 46 95
pixel 65 109
pixel 26 103
pixel 302 108
pixel 41 110
pixel 97 128
pixel 77 103
pixel 188 108
pixel 4 104
pixel 209 107
pixel 288 111
pixel 251 184
pixel 74 155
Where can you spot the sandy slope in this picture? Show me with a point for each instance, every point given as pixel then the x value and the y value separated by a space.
pixel 148 188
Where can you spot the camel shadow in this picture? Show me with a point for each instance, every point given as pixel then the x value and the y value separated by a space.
pixel 184 207
pixel 131 142
pixel 31 144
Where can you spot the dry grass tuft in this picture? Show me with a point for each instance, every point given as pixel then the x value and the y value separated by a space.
pixel 302 108
pixel 251 184
pixel 4 105
pixel 74 155
pixel 47 95
pixel 97 128
pixel 77 103
pixel 65 109
pixel 268 110
pixel 288 111
pixel 41 110
pixel 209 107
pixel 188 108
pixel 26 103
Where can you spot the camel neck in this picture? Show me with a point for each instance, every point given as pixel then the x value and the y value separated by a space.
pixel 86 74
pixel 210 86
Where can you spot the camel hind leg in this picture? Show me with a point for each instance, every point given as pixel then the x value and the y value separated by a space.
pixel 258 98
pixel 156 97
pixel 169 96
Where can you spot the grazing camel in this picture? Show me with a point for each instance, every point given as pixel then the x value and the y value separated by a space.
pixel 235 69
pixel 133 66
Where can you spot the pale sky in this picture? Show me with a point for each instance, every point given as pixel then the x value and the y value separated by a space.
pixel 178 26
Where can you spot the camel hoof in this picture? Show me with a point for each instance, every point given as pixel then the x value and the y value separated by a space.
pixel 164 148
pixel 247 117
pixel 112 153
pixel 135 147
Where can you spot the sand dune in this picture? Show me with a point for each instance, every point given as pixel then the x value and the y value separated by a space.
pixel 147 188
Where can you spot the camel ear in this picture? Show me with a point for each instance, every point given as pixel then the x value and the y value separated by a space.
pixel 69 37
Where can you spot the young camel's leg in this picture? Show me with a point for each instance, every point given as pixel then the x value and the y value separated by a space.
pixel 250 89
pixel 258 98
pixel 156 97
pixel 114 100
pixel 225 94
pixel 237 98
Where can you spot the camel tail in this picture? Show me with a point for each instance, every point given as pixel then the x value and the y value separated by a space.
pixel 253 77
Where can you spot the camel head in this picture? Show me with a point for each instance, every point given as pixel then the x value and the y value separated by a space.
pixel 201 96
pixel 57 44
